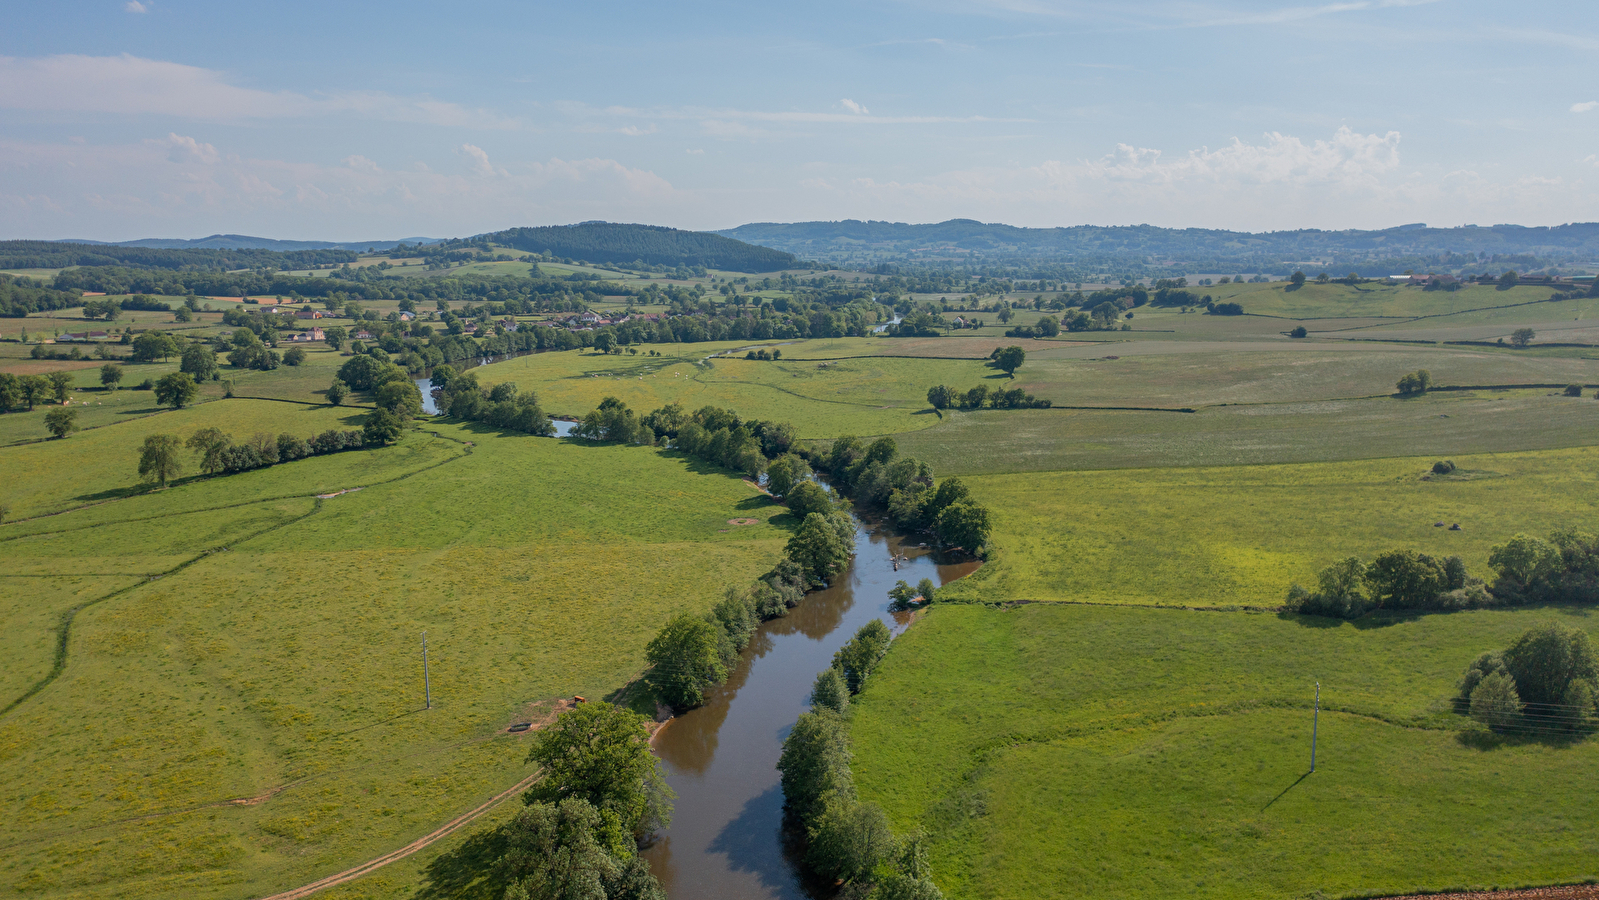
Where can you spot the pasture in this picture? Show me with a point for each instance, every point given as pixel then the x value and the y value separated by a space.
pixel 1072 751
pixel 538 567
pixel 1238 536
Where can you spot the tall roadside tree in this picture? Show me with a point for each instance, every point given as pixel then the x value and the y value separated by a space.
pixel 158 458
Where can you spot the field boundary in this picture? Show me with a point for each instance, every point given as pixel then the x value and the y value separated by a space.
pixel 64 629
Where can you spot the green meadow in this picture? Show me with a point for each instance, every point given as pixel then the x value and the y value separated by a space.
pixel 1064 731
pixel 1068 751
pixel 234 636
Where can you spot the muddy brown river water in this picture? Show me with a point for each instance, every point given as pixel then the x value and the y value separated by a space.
pixel 726 840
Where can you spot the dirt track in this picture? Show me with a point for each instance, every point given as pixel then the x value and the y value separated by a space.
pixel 1568 892
pixel 420 843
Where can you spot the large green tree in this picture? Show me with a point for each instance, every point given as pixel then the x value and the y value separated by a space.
pixel 382 427
pixel 61 421
pixel 110 376
pixel 600 754
pixel 176 389
pixel 1555 668
pixel 685 660
pixel 60 385
pixel 1010 359
pixel 158 458
pixel 199 361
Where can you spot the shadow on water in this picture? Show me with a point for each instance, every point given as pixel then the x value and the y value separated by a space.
pixel 727 838
pixel 748 841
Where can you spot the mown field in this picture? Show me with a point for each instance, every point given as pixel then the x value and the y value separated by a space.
pixel 1074 751
pixel 278 648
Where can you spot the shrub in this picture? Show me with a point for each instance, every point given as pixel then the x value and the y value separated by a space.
pixel 1299 332
pixel 1443 467
pixel 830 692
pixel 1494 702
pixel 1573 390
pixel 1415 383
pixel 860 655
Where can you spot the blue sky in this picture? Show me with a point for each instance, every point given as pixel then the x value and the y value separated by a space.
pixel 345 121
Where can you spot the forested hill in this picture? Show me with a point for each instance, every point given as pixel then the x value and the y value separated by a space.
pixel 247 242
pixel 653 244
pixel 60 255
pixel 1197 249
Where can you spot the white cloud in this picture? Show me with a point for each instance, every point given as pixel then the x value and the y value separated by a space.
pixel 177 185
pixel 134 6
pixel 1590 106
pixel 181 149
pixel 1348 158
pixel 854 107
pixel 131 85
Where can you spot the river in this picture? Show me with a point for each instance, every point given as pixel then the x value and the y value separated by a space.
pixel 726 840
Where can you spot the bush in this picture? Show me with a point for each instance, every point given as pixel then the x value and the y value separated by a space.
pixel 1494 702
pixel 1573 390
pixel 830 692
pixel 857 658
pixel 1299 332
pixel 1415 383
pixel 1443 467
pixel 685 660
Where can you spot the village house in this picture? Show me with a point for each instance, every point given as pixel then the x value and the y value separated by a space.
pixel 315 334
pixel 407 316
pixel 82 336
pixel 308 314
pixel 362 335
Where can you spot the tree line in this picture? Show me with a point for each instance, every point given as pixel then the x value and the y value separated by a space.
pixel 1562 569
pixel 161 455
pixel 848 841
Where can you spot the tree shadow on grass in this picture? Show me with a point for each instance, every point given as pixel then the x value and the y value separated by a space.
pixel 1488 741
pixel 759 501
pixel 1386 619
pixel 465 873
pixel 1311 621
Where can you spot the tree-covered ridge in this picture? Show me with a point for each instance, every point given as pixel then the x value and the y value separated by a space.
pixel 20 296
pixel 653 244
pixel 1110 248
pixel 60 255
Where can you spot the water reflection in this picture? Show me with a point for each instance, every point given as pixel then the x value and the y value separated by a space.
pixel 726 840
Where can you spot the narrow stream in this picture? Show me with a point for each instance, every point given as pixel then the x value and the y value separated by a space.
pixel 726 840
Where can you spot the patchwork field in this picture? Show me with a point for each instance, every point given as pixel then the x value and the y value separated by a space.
pixel 1071 751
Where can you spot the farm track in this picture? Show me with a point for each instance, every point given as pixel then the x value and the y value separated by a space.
pixel 1559 892
pixel 420 843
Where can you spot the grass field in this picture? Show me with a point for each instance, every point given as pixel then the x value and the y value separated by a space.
pixel 1240 535
pixel 1071 751
pixel 539 568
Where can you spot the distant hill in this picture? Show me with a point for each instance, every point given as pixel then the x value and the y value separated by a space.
pixel 1197 249
pixel 61 255
pixel 654 244
pixel 246 242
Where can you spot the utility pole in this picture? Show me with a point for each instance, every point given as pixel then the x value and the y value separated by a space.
pixel 427 688
pixel 1314 723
